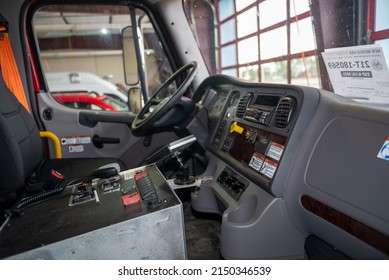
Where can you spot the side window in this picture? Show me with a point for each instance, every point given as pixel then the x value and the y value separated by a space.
pixel 81 51
pixel 258 40
pixel 378 25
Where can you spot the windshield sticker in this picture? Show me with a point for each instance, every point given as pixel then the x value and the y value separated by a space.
pixel 359 73
pixel 384 151
pixel 275 151
pixel 73 140
pixel 256 161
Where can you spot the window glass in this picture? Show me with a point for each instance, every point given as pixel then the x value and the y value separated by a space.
pixel 267 14
pixel 381 15
pixel 241 4
pixel 301 34
pixel 81 49
pixel 256 33
pixel 273 43
pixel 245 22
pixel 226 9
pixel 228 56
pixel 298 7
pixel 230 72
pixel 227 31
pixel 249 73
pixel 304 71
pixel 385 48
pixel 248 50
pixel 274 72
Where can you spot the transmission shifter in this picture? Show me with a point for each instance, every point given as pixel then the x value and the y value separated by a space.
pixel 182 176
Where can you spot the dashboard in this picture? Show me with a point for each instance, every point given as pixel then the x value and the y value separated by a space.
pixel 288 178
pixel 250 128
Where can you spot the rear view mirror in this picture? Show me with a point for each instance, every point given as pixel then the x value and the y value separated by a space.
pixel 129 57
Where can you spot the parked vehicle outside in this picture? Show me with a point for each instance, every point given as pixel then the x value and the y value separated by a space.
pixel 80 100
pixel 88 82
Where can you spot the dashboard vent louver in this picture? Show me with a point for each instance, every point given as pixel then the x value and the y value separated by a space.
pixel 285 111
pixel 242 105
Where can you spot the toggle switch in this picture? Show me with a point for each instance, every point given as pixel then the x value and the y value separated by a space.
pixel 238 129
pixel 249 134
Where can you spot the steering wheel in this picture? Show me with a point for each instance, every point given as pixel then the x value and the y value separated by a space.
pixel 153 112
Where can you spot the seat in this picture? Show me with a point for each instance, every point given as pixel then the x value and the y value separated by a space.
pixel 22 156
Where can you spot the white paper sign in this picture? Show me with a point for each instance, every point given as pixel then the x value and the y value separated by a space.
pixel 359 73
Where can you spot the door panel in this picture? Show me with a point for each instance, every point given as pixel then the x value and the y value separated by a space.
pixel 84 92
pixel 76 139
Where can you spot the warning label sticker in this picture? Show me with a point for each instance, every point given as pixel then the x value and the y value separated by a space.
pixel 256 161
pixel 275 151
pixel 384 151
pixel 74 140
pixel 76 148
pixel 127 175
pixel 268 168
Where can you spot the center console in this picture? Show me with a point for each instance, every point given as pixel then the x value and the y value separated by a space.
pixel 254 128
pixel 133 215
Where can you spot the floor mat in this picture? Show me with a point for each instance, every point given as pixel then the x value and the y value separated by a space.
pixel 202 234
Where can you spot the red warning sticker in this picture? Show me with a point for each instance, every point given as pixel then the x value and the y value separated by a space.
pixel 275 151
pixel 129 199
pixel 256 161
pixel 268 168
pixel 76 148
pixel 75 140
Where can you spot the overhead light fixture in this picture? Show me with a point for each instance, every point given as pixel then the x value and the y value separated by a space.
pixel 104 30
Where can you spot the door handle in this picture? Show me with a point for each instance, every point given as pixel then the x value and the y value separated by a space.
pixel 48 114
pixel 100 141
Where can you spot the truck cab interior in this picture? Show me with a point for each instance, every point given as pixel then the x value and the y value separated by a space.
pixel 238 140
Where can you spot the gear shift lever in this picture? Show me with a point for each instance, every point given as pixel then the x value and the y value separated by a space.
pixel 182 176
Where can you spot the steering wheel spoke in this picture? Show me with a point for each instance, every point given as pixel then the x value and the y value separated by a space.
pixel 155 101
pixel 154 109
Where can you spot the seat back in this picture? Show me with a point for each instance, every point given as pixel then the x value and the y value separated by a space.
pixel 20 146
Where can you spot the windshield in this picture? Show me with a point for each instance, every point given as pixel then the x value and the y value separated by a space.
pixel 340 46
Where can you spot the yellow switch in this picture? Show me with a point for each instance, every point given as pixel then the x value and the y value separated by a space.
pixel 238 129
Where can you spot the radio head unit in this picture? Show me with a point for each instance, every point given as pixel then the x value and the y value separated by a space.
pixel 261 108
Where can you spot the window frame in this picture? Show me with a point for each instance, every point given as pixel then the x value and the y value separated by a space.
pixel 32 46
pixel 372 34
pixel 287 22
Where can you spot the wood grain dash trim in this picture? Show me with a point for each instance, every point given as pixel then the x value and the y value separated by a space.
pixel 363 232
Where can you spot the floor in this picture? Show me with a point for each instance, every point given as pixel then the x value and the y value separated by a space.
pixel 202 234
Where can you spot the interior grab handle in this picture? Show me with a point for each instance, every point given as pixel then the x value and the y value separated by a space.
pixel 100 141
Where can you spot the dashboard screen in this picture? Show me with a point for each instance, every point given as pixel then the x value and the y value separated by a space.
pixel 267 100
pixel 218 101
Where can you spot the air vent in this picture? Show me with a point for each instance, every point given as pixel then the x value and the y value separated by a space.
pixel 242 105
pixel 285 111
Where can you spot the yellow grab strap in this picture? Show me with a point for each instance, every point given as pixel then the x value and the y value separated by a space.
pixel 54 138
pixel 9 69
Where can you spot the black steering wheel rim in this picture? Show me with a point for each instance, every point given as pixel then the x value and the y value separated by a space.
pixel 144 120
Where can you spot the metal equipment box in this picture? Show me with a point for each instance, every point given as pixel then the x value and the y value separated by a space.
pixel 114 223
